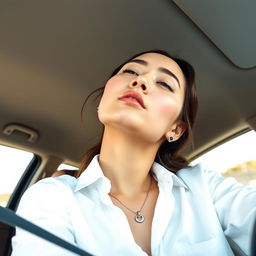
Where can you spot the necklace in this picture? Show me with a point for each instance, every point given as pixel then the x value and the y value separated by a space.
pixel 138 216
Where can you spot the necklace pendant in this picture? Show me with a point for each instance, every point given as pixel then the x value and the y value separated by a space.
pixel 139 217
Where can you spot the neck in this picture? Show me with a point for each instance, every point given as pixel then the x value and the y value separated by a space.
pixel 126 161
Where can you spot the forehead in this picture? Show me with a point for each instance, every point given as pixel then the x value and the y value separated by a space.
pixel 156 60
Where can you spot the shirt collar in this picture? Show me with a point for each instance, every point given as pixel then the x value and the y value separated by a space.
pixel 165 176
pixel 94 173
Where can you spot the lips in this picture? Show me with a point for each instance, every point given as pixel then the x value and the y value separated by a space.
pixel 134 96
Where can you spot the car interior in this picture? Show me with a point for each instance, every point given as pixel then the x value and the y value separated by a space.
pixel 53 54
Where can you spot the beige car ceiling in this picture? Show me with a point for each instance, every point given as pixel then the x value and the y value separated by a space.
pixel 54 53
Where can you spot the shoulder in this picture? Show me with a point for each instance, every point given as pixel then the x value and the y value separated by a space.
pixel 200 177
pixel 53 192
pixel 201 172
pixel 196 173
pixel 56 184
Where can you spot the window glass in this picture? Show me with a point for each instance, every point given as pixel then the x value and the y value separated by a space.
pixel 235 158
pixel 13 163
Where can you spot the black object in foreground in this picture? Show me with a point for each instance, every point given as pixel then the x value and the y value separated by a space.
pixel 253 242
pixel 11 218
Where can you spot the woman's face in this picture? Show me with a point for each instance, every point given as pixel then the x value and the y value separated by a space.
pixel 160 83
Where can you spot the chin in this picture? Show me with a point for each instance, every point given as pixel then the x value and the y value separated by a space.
pixel 122 122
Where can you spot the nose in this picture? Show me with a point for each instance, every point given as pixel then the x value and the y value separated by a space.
pixel 140 82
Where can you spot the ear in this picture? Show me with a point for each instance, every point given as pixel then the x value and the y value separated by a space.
pixel 177 129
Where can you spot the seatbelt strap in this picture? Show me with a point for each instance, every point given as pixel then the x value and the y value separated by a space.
pixel 11 218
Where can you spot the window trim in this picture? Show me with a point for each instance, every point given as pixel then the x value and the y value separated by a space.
pixel 24 182
pixel 219 143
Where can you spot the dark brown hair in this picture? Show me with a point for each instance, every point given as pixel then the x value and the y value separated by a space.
pixel 168 153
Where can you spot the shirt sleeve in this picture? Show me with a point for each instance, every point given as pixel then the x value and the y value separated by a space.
pixel 44 204
pixel 235 205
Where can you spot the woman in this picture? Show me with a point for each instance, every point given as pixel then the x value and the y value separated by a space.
pixel 134 195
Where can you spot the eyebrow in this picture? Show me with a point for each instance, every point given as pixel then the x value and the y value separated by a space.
pixel 163 70
pixel 168 72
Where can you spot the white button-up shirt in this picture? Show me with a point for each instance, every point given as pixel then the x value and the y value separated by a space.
pixel 197 210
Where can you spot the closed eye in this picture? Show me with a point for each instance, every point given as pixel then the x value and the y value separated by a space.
pixel 129 71
pixel 164 84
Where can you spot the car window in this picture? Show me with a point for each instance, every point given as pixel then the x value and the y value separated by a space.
pixel 13 163
pixel 235 158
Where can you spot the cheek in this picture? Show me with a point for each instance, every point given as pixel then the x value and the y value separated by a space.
pixel 166 109
pixel 167 106
pixel 108 106
pixel 111 91
pixel 115 83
